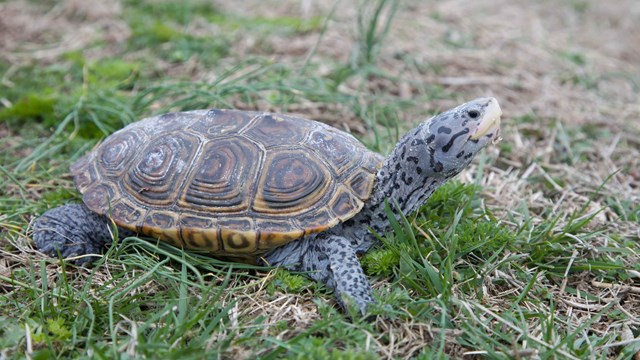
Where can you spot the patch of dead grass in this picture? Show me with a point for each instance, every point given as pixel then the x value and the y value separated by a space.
pixel 40 34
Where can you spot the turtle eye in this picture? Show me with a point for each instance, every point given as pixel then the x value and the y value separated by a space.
pixel 473 113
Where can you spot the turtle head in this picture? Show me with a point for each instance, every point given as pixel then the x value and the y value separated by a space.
pixel 429 155
pixel 455 136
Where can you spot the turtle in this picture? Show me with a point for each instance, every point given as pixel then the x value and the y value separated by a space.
pixel 260 187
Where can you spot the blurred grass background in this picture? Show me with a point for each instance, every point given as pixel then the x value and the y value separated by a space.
pixel 532 252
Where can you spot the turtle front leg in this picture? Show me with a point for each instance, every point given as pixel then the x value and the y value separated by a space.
pixel 329 259
pixel 345 274
pixel 72 230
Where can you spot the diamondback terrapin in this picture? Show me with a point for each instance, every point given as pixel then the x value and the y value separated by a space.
pixel 261 187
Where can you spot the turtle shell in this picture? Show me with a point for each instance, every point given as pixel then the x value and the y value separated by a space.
pixel 232 183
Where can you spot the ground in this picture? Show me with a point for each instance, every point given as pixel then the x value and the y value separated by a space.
pixel 532 253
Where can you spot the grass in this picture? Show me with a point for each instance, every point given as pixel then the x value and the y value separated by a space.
pixel 532 253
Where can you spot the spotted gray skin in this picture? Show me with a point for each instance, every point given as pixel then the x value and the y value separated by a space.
pixel 74 231
pixel 432 153
pixel 426 157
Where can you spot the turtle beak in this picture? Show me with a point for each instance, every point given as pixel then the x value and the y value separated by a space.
pixel 490 121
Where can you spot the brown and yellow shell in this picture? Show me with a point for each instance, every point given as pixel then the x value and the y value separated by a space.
pixel 232 183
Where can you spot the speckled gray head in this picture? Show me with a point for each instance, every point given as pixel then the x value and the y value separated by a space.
pixel 435 151
pixel 455 136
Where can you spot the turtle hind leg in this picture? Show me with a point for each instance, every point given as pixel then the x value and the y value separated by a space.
pixel 72 230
